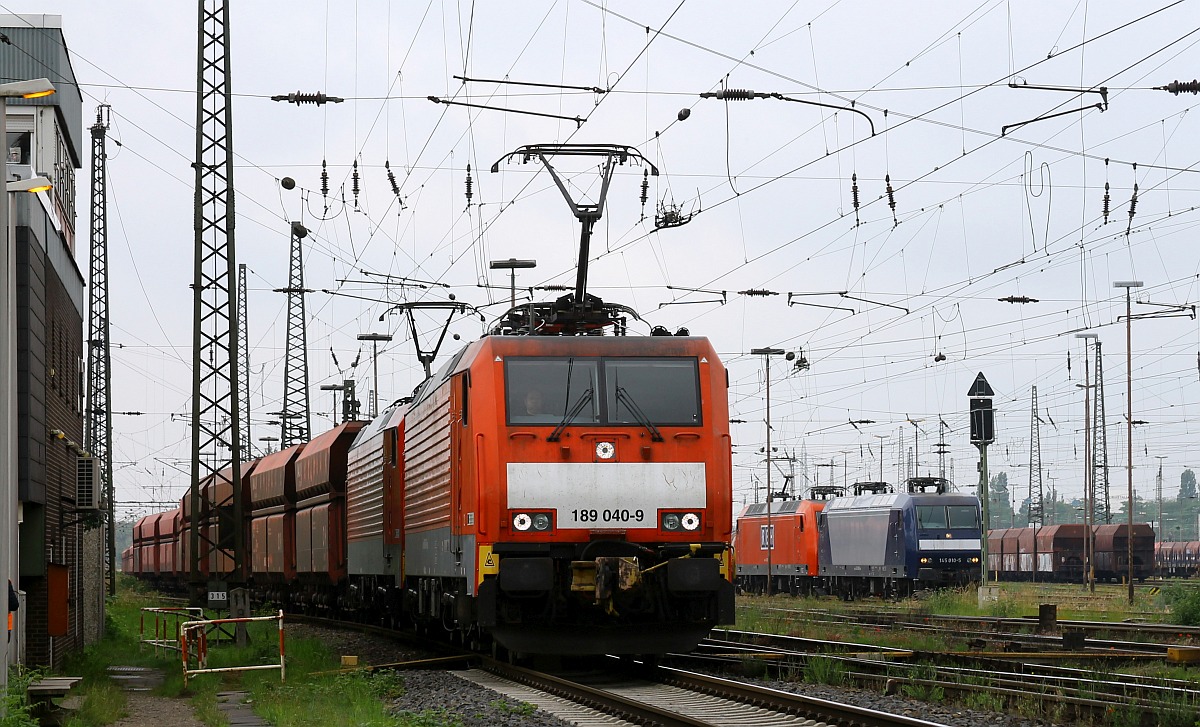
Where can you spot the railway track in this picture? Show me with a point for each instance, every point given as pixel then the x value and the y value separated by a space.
pixel 674 697
pixel 990 627
pixel 639 693
pixel 1083 693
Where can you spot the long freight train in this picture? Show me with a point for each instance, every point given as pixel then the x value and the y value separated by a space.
pixel 1057 552
pixel 875 542
pixel 552 494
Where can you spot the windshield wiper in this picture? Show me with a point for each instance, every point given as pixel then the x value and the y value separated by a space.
pixel 627 399
pixel 570 415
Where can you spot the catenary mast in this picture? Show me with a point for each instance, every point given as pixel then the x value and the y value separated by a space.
pixel 216 430
pixel 97 436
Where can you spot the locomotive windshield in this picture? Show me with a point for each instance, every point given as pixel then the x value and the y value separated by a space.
pixel 963 516
pixel 932 518
pixel 658 391
pixel 544 391
pixel 940 517
pixel 665 389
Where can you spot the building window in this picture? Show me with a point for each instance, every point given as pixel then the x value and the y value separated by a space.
pixel 64 177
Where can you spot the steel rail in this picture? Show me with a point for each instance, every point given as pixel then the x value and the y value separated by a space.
pixel 617 705
pixel 1079 688
pixel 777 699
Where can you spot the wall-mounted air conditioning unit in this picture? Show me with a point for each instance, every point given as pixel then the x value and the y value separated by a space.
pixel 89 483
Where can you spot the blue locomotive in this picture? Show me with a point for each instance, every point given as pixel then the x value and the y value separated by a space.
pixel 890 544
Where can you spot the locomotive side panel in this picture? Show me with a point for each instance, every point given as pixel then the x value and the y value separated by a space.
pixel 429 548
pixel 861 541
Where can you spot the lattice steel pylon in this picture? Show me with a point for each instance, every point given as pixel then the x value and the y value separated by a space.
pixel 97 435
pixel 1103 508
pixel 294 419
pixel 243 364
pixel 216 430
pixel 1036 507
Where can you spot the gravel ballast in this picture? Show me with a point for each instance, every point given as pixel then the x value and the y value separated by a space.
pixel 477 706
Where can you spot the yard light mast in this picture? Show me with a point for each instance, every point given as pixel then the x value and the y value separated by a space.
pixel 767 353
pixel 1129 285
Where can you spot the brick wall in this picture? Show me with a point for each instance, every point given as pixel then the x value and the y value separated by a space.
pixel 50 344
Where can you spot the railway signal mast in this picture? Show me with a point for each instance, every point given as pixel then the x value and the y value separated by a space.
pixel 983 433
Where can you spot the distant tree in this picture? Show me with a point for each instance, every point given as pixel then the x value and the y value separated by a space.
pixel 1000 503
pixel 1187 486
pixel 999 483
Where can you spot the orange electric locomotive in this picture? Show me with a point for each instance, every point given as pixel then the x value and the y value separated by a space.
pixel 558 494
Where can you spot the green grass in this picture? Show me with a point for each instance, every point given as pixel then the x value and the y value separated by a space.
pixel 817 618
pixel 522 709
pixel 14 704
pixel 824 670
pixel 315 692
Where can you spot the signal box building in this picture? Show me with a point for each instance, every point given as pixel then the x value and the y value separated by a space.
pixel 60 539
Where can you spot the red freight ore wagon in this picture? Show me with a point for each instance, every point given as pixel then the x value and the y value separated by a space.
pixel 1178 559
pixel 997 564
pixel 320 552
pixel 1060 552
pixel 142 545
pixel 1112 551
pixel 790 539
pixel 166 543
pixel 273 522
pixel 1012 554
pixel 218 527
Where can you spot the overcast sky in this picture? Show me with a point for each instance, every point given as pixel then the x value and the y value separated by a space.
pixel 767 184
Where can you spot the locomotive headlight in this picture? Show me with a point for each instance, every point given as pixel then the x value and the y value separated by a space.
pixel 539 522
pixel 925 560
pixel 680 521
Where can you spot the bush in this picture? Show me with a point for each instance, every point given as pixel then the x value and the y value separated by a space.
pixel 15 707
pixel 1184 603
